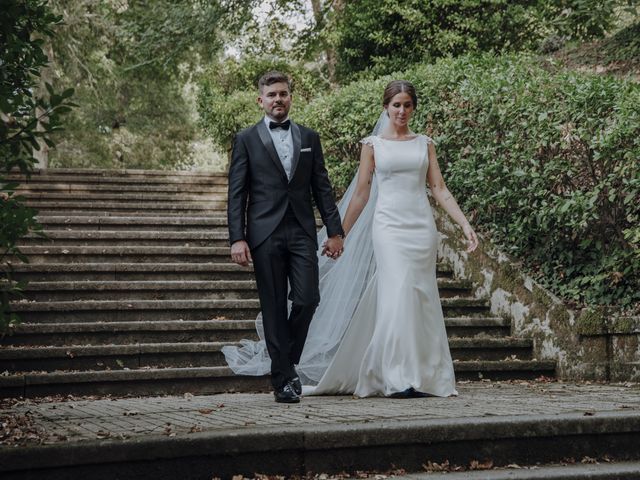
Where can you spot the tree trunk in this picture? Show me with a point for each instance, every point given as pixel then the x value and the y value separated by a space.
pixel 46 76
pixel 330 51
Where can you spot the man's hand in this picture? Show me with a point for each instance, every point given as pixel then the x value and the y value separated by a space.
pixel 240 253
pixel 333 247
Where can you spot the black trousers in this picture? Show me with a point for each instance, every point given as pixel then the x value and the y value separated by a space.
pixel 287 254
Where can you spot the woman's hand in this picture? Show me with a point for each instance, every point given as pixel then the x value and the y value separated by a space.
pixel 472 239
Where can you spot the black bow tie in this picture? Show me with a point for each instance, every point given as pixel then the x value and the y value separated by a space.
pixel 286 124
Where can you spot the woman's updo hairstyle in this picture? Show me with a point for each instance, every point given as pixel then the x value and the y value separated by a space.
pixel 399 86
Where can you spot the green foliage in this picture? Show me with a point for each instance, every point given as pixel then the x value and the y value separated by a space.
pixel 26 116
pixel 134 64
pixel 163 35
pixel 625 44
pixel 343 118
pixel 222 115
pixel 380 36
pixel 228 92
pixel 231 75
pixel 383 36
pixel 620 51
pixel 578 19
pixel 546 162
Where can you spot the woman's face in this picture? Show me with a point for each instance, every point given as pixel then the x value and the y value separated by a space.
pixel 400 109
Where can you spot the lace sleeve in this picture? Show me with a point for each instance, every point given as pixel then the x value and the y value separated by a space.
pixel 429 139
pixel 367 141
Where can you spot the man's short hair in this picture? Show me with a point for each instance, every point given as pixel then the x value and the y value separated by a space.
pixel 272 77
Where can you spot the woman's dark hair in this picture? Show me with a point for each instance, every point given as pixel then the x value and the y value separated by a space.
pixel 398 86
pixel 272 77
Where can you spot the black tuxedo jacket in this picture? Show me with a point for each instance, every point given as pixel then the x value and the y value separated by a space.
pixel 259 191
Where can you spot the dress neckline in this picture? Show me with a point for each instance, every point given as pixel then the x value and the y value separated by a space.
pixel 393 140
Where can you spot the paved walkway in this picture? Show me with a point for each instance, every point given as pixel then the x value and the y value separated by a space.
pixel 72 420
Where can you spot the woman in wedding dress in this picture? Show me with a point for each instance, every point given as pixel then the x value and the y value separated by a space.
pixel 379 329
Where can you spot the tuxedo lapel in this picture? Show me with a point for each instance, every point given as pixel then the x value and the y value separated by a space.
pixel 265 137
pixel 295 134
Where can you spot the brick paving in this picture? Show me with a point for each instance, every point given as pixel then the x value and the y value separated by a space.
pixel 126 418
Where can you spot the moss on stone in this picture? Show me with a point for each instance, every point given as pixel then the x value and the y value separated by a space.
pixel 625 325
pixel 541 297
pixel 592 321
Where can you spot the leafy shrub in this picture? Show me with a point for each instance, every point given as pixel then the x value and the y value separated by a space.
pixel 546 161
pixel 222 115
pixel 376 37
pixel 342 118
pixel 27 114
pixel 383 36
pixel 233 75
pixel 228 94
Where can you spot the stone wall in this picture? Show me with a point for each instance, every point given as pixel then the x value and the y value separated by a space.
pixel 587 345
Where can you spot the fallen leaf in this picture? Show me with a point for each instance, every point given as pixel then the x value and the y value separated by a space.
pixel 476 465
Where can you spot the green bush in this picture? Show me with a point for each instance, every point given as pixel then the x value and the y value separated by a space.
pixel 30 113
pixel 235 83
pixel 547 162
pixel 376 37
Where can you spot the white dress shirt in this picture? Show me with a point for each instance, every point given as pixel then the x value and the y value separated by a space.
pixel 283 141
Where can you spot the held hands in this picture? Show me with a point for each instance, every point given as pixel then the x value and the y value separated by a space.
pixel 333 247
pixel 472 239
pixel 240 253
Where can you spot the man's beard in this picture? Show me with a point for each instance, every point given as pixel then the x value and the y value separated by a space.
pixel 279 115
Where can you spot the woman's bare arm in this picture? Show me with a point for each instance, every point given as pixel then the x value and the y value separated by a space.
pixel 444 197
pixel 363 188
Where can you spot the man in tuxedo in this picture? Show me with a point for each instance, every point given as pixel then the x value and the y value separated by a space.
pixel 276 166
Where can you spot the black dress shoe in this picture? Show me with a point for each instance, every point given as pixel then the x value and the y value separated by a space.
pixel 285 394
pixel 416 394
pixel 410 393
pixel 297 385
pixel 403 394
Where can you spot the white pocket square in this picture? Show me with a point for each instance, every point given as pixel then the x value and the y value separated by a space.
pixel 302 150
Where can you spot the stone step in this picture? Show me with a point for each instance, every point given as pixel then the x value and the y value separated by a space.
pixel 175 289
pixel 122 333
pixel 208 380
pixel 104 333
pixel 326 437
pixel 125 207
pixel 119 189
pixel 120 172
pixel 139 310
pixel 143 221
pixel 130 180
pixel 87 238
pixel 140 290
pixel 217 223
pixel 202 354
pixel 89 197
pixel 128 212
pixel 116 271
pixel 134 310
pixel 573 471
pixel 138 254
pixel 478 326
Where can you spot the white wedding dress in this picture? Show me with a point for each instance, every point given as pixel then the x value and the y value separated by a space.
pixel 379 327
pixel 396 338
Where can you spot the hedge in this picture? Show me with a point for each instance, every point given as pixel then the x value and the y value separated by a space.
pixel 545 160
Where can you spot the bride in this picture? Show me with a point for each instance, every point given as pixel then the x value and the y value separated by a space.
pixel 379 328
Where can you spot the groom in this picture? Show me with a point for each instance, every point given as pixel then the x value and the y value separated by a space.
pixel 276 165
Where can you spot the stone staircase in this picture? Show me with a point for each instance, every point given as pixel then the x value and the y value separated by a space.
pixel 132 293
